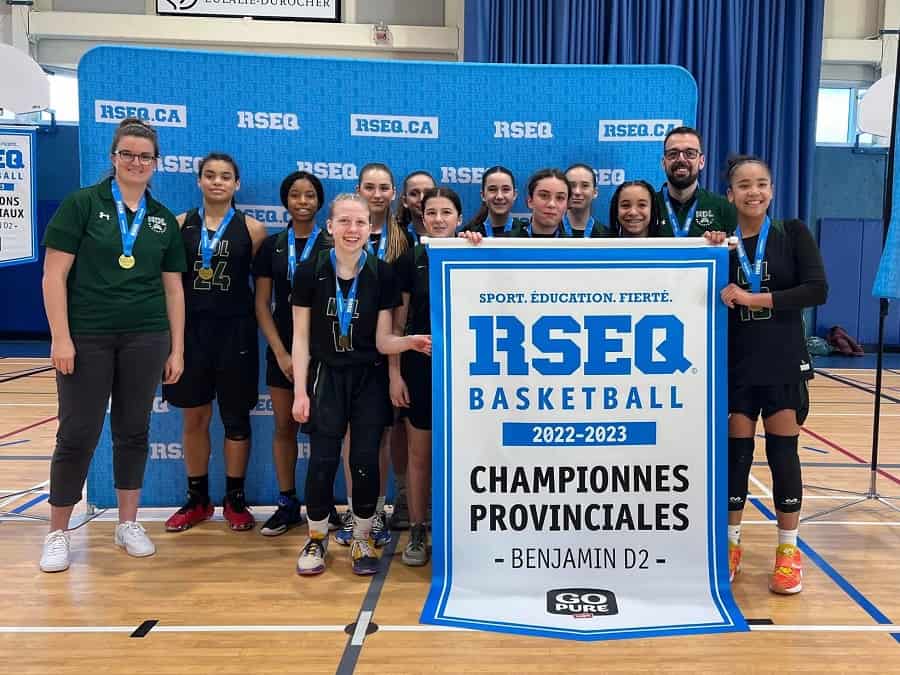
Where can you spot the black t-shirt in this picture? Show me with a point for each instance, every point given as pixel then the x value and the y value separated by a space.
pixel 227 293
pixel 272 261
pixel 520 229
pixel 412 278
pixel 314 288
pixel 767 346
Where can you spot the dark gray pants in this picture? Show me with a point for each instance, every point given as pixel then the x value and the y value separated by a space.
pixel 127 368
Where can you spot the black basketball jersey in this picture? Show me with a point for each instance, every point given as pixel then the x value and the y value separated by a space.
pixel 767 346
pixel 314 287
pixel 412 278
pixel 272 261
pixel 227 293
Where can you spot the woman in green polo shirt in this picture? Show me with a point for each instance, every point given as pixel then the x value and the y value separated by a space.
pixel 114 301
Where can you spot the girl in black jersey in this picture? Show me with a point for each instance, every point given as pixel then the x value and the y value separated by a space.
pixel 775 272
pixel 498 195
pixel 409 215
pixel 220 354
pixel 578 220
pixel 274 268
pixel 343 323
pixel 633 211
pixel 411 375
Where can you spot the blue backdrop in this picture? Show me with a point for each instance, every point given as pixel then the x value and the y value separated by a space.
pixel 756 62
pixel 277 114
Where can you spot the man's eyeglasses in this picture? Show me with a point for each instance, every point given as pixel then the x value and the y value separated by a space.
pixel 128 157
pixel 690 153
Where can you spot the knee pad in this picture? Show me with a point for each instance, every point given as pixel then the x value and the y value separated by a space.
pixel 740 459
pixel 237 425
pixel 787 485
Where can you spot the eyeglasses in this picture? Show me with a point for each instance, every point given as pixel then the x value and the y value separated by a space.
pixel 128 157
pixel 674 153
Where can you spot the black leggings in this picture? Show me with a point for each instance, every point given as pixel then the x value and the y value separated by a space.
pixel 324 459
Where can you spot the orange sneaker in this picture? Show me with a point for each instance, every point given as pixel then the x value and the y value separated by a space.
pixel 734 560
pixel 787 577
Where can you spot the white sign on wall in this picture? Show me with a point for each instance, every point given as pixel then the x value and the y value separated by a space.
pixel 18 236
pixel 306 10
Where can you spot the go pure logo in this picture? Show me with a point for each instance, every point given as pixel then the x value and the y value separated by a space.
pixel 507 129
pixel 394 126
pixel 582 603
pixel 157 114
pixel 275 121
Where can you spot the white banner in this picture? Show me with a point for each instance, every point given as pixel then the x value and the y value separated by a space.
pixel 309 10
pixel 580 453
pixel 18 237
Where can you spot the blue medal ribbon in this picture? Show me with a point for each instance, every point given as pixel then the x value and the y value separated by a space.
pixel 412 232
pixel 588 230
pixel 531 233
pixel 129 235
pixel 489 228
pixel 207 245
pixel 754 275
pixel 677 228
pixel 307 249
pixel 382 241
pixel 345 306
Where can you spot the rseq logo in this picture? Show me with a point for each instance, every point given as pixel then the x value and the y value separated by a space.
pixel 269 215
pixel 263 406
pixel 522 129
pixel 462 174
pixel 635 130
pixel 178 164
pixel 159 405
pixel 276 121
pixel 582 603
pixel 157 114
pixel 166 451
pixel 394 126
pixel 329 170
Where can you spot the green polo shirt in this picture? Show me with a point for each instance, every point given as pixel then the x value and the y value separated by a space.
pixel 714 214
pixel 103 297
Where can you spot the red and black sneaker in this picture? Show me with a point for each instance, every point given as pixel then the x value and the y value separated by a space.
pixel 192 513
pixel 236 512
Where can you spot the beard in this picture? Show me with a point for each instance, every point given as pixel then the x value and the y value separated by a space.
pixel 681 182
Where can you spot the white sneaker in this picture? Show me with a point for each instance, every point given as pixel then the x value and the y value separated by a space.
pixel 55 557
pixel 133 538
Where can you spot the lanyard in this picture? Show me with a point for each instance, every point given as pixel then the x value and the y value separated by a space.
pixel 677 228
pixel 412 232
pixel 489 229
pixel 129 235
pixel 382 240
pixel 292 248
pixel 531 234
pixel 754 275
pixel 346 306
pixel 207 245
pixel 588 230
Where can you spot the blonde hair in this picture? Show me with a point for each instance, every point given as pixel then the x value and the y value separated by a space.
pixel 346 197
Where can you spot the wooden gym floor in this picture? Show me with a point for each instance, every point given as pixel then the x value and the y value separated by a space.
pixel 231 603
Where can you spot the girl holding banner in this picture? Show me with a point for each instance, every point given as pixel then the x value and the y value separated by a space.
pixel 274 268
pixel 343 324
pixel 220 343
pixel 498 195
pixel 411 375
pixel 776 271
pixel 633 211
pixel 113 297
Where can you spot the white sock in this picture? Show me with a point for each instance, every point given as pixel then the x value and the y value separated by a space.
pixel 362 527
pixel 787 537
pixel 350 504
pixel 379 505
pixel 734 534
pixel 319 526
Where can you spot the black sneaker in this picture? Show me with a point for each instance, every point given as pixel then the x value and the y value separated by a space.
pixel 285 517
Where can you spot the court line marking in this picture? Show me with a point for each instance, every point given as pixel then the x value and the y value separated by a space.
pixel 53 405
pixel 362 624
pixel 848 383
pixel 26 428
pixel 761 486
pixel 830 522
pixel 861 600
pixel 849 454
pixel 397 628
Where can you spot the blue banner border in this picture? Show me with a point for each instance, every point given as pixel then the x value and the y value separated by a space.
pixel 715 262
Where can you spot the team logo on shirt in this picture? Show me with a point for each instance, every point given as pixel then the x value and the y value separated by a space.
pixel 635 130
pixel 704 218
pixel 103 215
pixel 394 126
pixel 156 224
pixel 507 129
pixel 158 114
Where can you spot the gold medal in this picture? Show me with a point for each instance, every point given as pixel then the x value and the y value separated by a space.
pixel 344 342
pixel 126 262
pixel 205 273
